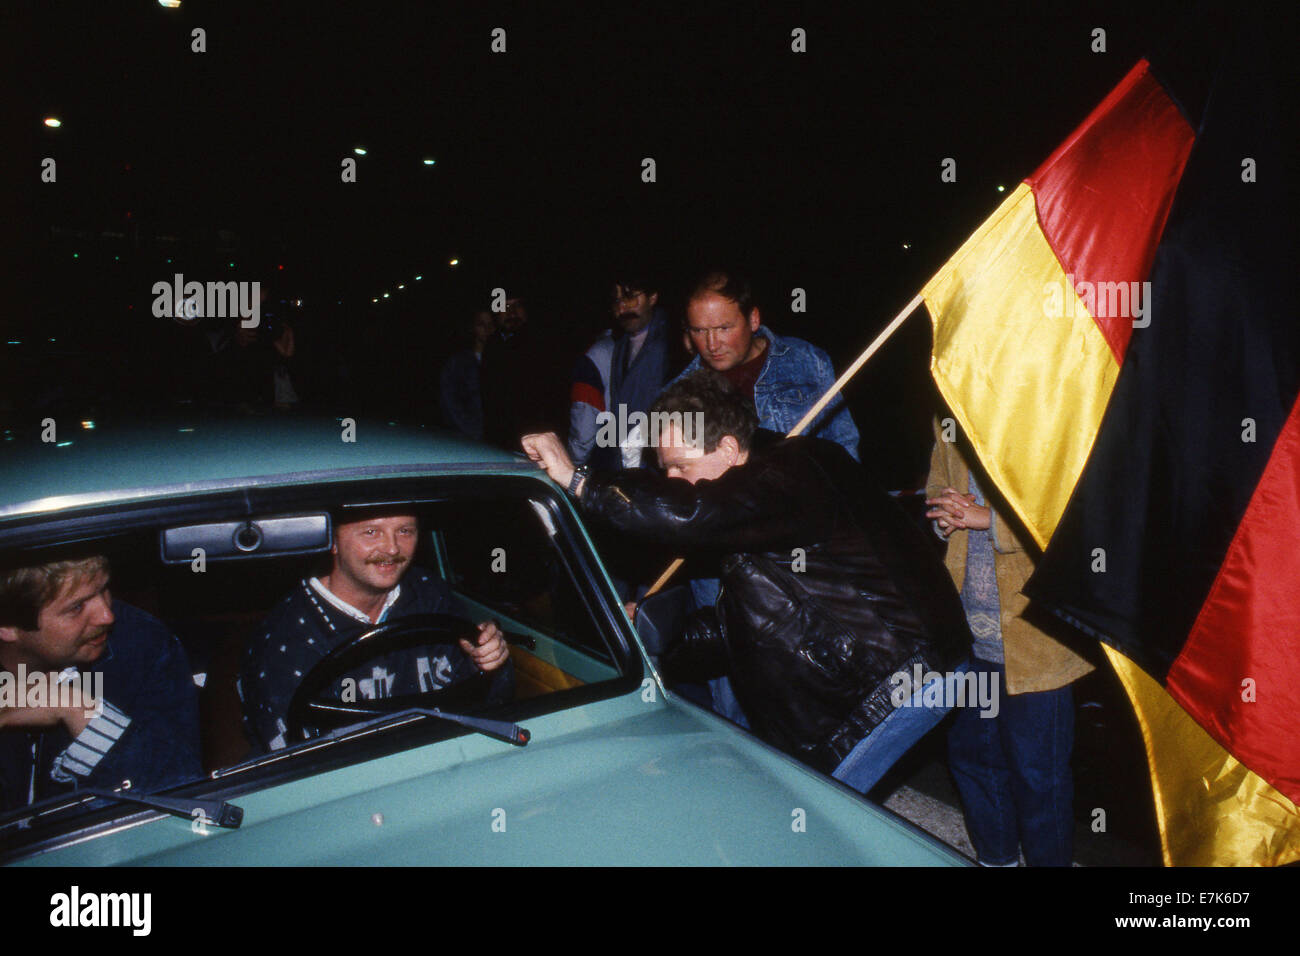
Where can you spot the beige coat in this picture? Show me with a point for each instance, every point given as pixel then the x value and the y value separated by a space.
pixel 1034 660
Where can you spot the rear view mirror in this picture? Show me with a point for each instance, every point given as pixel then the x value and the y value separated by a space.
pixel 252 538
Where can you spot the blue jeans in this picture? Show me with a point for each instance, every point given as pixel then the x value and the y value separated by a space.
pixel 891 738
pixel 1013 774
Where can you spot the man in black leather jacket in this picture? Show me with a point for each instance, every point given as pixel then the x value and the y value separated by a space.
pixel 829 591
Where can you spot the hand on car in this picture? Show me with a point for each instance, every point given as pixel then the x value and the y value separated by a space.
pixel 547 450
pixel 490 649
pixel 952 510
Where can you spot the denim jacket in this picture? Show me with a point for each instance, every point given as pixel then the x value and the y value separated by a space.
pixel 794 376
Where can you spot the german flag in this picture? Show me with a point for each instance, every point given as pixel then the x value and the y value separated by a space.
pixel 1191 498
pixel 1123 308
pixel 1033 315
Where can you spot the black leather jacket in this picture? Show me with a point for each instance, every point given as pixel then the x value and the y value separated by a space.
pixel 828 589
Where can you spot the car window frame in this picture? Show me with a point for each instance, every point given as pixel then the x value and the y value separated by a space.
pixel 106 521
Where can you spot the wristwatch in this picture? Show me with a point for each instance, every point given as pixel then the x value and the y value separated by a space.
pixel 579 474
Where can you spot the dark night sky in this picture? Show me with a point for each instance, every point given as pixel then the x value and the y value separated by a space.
pixel 811 169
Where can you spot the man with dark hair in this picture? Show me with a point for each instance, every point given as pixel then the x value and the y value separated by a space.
pixel 118 701
pixel 368 583
pixel 830 592
pixel 641 363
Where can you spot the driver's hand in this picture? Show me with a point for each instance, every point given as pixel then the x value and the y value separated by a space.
pixel 491 650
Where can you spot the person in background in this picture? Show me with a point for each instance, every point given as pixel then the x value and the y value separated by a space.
pixel 641 364
pixel 589 396
pixel 459 387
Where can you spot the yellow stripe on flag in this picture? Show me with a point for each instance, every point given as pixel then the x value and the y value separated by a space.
pixel 1211 809
pixel 1020 361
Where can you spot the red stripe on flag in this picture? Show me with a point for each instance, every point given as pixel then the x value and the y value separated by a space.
pixel 1104 195
pixel 1249 629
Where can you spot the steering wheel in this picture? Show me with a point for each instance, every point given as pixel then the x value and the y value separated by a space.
pixel 312 705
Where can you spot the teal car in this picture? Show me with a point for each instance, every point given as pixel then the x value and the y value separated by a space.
pixel 593 761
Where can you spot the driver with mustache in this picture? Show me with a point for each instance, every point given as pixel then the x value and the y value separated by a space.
pixel 371 580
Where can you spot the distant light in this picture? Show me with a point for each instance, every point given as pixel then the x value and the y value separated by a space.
pixel 1002 189
pixel 907 245
pixel 454 262
pixel 374 300
pixel 53 122
pixel 88 425
pixel 187 428
pixel 77 255
pixel 401 286
pixel 51 340
pixel 428 162
pixel 15 342
pixel 63 444
pixel 358 150
pixel 231 264
pixel 385 295
pixel 280 267
pixel 418 278
pixel 170 4
pixel 169 262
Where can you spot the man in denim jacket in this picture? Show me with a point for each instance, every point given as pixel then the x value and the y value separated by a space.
pixel 784 376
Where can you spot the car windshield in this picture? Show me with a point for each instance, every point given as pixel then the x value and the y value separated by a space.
pixel 475 595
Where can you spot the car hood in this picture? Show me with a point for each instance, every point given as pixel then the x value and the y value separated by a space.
pixel 659 783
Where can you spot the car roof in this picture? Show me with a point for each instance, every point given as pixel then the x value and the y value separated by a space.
pixel 107 463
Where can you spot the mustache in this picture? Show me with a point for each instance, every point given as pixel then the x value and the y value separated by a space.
pixel 99 632
pixel 396 559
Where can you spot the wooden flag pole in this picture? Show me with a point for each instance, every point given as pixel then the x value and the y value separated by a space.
pixel 813 412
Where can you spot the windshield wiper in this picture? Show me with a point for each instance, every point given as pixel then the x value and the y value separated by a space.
pixel 498 729
pixel 216 812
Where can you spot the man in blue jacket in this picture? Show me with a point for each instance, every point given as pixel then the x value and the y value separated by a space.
pixel 783 375
pixel 98 691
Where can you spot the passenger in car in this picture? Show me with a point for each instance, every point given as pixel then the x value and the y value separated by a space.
pixel 832 599
pixel 371 580
pixel 93 692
